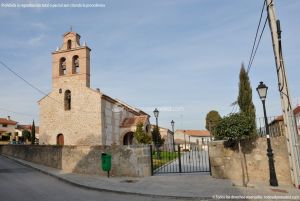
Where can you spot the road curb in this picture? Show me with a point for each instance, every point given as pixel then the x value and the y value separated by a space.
pixel 19 161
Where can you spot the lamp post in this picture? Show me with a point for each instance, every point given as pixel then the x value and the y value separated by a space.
pixel 184 140
pixel 172 123
pixel 156 113
pixel 262 92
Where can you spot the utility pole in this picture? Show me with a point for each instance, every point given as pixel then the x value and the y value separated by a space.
pixel 288 115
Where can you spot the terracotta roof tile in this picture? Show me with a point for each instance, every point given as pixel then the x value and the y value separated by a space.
pixel 133 121
pixel 28 127
pixel 24 127
pixel 195 133
pixel 297 110
pixel 8 122
pixel 277 119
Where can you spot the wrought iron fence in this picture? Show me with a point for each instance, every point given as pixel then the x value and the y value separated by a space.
pixel 183 158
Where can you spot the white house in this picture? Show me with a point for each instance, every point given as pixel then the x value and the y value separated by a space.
pixel 7 125
pixel 189 139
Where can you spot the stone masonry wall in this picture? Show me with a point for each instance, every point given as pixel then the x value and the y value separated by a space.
pixel 225 163
pixel 81 125
pixel 131 161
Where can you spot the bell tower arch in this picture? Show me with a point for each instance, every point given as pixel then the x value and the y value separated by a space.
pixel 71 62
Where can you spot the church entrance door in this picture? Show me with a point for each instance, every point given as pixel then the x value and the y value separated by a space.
pixel 60 139
pixel 128 138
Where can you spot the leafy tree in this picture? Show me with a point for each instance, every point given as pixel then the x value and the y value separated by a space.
pixel 141 136
pixel 237 128
pixel 26 135
pixel 245 97
pixel 212 119
pixel 33 133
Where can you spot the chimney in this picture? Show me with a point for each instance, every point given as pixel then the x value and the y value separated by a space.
pixel 8 118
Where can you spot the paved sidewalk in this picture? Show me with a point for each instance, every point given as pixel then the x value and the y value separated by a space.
pixel 200 186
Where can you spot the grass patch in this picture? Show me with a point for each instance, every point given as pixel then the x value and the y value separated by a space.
pixel 165 157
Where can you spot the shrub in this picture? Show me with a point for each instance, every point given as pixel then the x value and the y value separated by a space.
pixel 141 136
pixel 235 127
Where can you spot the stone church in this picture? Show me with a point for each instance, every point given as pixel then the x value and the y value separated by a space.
pixel 75 114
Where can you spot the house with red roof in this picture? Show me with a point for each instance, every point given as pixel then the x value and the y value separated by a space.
pixel 7 125
pixel 276 126
pixel 190 139
pixel 297 116
pixel 21 127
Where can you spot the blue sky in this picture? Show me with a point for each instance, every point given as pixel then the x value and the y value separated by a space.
pixel 171 53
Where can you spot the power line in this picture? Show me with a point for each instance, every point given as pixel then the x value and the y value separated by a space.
pixel 253 56
pixel 254 43
pixel 36 88
pixel 254 48
pixel 257 45
pixel 27 82
pixel 19 113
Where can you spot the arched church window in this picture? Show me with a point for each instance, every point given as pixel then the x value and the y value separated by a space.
pixel 62 66
pixel 75 64
pixel 67 100
pixel 69 44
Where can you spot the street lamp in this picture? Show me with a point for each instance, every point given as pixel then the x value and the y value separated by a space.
pixel 172 123
pixel 262 92
pixel 184 140
pixel 156 113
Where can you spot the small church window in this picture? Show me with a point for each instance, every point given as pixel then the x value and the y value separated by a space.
pixel 62 66
pixel 67 100
pixel 69 44
pixel 75 64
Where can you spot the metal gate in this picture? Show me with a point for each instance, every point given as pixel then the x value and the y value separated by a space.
pixel 179 158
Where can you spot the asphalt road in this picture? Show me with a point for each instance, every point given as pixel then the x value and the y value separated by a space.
pixel 22 183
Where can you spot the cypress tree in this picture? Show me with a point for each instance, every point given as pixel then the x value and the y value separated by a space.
pixel 245 97
pixel 33 133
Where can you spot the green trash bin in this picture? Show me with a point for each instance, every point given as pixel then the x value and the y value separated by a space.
pixel 106 162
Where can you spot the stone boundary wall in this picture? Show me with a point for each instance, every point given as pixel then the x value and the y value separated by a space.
pixel 131 161
pixel 225 163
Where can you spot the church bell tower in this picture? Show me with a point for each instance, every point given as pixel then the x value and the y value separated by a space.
pixel 71 62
